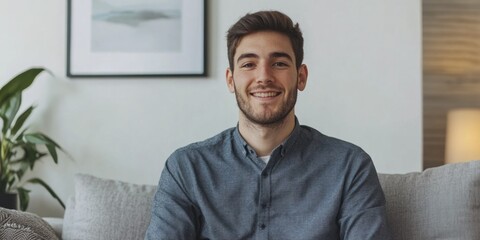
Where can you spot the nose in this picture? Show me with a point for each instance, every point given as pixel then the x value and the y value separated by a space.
pixel 264 74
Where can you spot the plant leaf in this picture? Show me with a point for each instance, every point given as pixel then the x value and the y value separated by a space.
pixel 50 190
pixel 9 110
pixel 40 138
pixel 21 120
pixel 53 152
pixel 20 136
pixel 4 121
pixel 11 180
pixel 31 154
pixel 19 83
pixel 22 169
pixel 24 197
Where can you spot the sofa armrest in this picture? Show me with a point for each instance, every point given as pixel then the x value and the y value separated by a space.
pixel 57 225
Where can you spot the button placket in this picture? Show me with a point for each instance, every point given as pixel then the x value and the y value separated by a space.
pixel 263 207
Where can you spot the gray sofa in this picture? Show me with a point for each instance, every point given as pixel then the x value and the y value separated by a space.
pixel 438 203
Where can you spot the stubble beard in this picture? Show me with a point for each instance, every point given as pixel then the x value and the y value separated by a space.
pixel 266 118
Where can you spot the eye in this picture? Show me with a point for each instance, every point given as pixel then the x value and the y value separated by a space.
pixel 247 65
pixel 280 64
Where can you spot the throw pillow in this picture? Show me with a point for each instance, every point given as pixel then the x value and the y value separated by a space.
pixel 68 229
pixel 23 225
pixel 438 203
pixel 108 209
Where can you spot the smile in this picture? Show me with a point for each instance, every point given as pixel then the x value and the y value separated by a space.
pixel 265 94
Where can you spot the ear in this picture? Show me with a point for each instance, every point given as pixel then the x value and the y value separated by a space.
pixel 229 79
pixel 302 77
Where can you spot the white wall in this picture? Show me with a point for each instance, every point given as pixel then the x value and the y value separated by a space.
pixel 364 86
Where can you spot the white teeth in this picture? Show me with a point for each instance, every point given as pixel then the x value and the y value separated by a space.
pixel 265 94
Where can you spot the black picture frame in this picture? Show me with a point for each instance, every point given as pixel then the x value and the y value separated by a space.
pixel 108 40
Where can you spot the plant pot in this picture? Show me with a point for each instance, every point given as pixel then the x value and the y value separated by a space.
pixel 9 200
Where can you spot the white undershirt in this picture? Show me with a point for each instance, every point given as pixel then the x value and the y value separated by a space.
pixel 265 158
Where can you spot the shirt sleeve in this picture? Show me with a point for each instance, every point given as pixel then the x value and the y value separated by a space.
pixel 362 215
pixel 173 214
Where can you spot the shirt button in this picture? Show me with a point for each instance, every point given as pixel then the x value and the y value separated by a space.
pixel 262 226
pixel 264 205
pixel 265 174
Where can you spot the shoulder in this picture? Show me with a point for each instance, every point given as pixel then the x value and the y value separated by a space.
pixel 208 147
pixel 337 155
pixel 210 143
pixel 316 139
pixel 347 160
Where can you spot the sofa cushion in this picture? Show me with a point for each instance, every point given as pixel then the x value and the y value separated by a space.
pixel 438 203
pixel 107 209
pixel 23 225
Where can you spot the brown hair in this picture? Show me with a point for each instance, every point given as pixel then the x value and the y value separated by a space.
pixel 265 21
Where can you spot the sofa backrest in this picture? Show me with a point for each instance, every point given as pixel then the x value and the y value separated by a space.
pixel 438 203
pixel 107 209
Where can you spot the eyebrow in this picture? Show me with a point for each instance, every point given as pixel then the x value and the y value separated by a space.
pixel 272 55
pixel 280 55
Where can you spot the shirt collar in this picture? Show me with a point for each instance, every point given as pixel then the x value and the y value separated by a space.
pixel 285 146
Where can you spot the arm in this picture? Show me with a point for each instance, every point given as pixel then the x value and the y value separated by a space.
pixel 362 215
pixel 173 214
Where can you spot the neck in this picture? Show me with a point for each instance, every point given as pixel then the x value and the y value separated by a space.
pixel 265 138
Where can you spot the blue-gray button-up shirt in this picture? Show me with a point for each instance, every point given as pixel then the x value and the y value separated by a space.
pixel 313 187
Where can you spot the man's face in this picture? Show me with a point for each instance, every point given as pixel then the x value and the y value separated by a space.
pixel 265 79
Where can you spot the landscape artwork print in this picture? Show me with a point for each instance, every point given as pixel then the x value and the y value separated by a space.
pixel 136 26
pixel 136 38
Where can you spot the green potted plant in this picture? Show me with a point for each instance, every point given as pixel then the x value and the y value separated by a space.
pixel 20 149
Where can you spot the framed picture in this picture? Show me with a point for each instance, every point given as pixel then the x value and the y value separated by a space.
pixel 136 38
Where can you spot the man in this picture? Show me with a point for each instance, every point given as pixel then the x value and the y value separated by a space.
pixel 268 178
